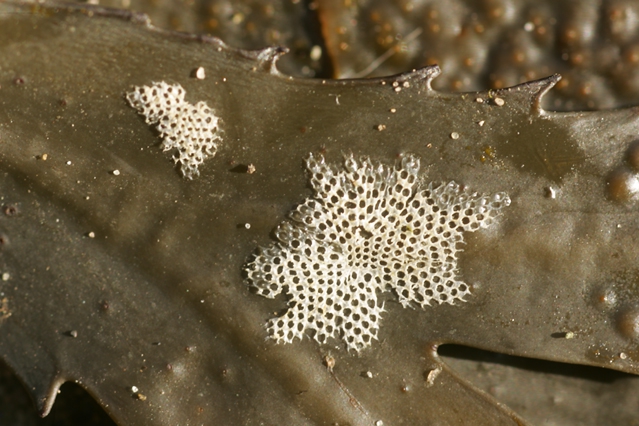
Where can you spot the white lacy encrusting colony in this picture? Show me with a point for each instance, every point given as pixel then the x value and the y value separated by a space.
pixel 367 229
pixel 191 129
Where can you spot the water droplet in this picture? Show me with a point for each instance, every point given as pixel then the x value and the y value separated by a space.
pixel 622 185
pixel 605 298
pixel 632 156
pixel 627 323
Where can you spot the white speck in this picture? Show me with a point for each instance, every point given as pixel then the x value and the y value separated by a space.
pixel 69 163
pixel 479 100
pixel 529 26
pixel 406 84
pixel 499 102
pixel 91 234
pixel 395 83
pixel 368 374
pixel 570 335
pixel 87 197
pixel 44 157
pixel 379 423
pixel 200 74
pixel 454 135
pixel 381 127
pixel 134 389
pixel 224 79
pixel 481 123
pixel 432 375
pixel 6 276
pixel 398 89
pixel 316 53
pixel 623 355
pixel 393 110
pixel 116 172
pixel 247 225
pixel 202 301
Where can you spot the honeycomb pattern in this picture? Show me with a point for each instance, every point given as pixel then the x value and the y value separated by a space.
pixel 193 130
pixel 368 228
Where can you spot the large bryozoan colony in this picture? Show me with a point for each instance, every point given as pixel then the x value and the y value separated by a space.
pixel 368 228
pixel 193 130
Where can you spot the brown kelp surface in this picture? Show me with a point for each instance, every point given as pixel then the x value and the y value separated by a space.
pixel 121 275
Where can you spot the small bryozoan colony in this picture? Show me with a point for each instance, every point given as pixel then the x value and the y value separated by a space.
pixel 193 130
pixel 368 228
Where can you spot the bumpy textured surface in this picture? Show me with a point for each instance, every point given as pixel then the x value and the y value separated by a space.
pixel 191 129
pixel 479 44
pixel 482 44
pixel 369 228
